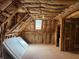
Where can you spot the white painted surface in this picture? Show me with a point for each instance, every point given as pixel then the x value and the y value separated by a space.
pixel 16 46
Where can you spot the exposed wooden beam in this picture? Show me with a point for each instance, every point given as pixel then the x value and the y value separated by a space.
pixel 53 4
pixel 4 4
pixel 43 6
pixel 9 18
pixel 22 28
pixel 68 11
pixel 45 11
pixel 52 11
pixel 19 23
pixel 33 7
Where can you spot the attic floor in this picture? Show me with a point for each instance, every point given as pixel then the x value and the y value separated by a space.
pixel 48 52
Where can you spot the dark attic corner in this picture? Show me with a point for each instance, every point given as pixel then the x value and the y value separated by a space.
pixel 39 29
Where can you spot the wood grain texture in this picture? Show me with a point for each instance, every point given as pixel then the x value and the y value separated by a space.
pixel 48 52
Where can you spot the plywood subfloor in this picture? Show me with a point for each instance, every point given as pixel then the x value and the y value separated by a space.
pixel 48 52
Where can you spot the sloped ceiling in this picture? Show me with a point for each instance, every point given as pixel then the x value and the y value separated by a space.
pixel 41 8
pixel 46 8
pixel 74 15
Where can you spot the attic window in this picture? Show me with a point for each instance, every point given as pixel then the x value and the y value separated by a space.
pixel 38 24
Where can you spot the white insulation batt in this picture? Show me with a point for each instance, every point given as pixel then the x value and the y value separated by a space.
pixel 16 46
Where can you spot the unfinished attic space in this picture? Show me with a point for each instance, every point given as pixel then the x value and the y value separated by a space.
pixel 39 29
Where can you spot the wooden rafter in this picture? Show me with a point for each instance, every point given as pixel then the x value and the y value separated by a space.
pixel 68 11
pixel 25 17
pixel 50 4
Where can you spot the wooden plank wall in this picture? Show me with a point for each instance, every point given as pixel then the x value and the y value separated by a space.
pixel 71 34
pixel 45 35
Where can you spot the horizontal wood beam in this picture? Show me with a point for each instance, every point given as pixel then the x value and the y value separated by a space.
pixel 53 4
pixel 45 11
pixel 33 7
pixel 68 11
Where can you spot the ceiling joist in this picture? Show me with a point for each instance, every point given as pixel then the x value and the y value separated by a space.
pixel 33 7
pixel 35 3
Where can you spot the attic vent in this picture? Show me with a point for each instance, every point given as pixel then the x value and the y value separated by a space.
pixel 38 24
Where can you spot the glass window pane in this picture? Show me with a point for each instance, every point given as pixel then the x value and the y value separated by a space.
pixel 38 24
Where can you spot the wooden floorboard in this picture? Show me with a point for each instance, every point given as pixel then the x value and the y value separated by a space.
pixel 48 52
